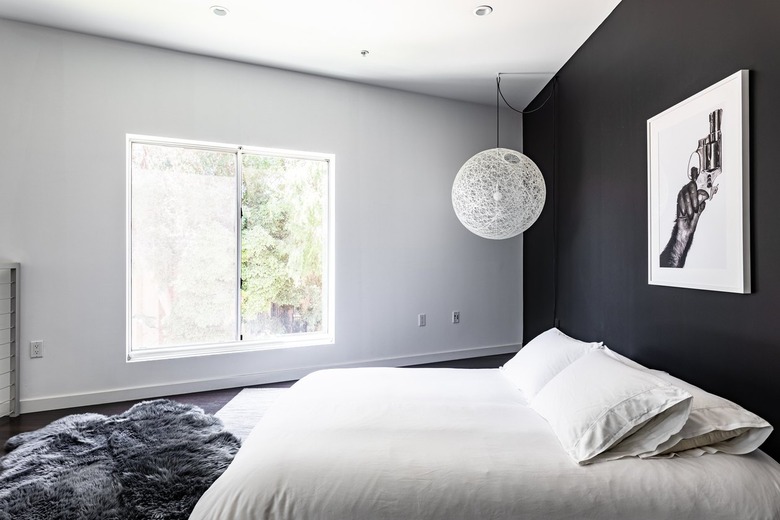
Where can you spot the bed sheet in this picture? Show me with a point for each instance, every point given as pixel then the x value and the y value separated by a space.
pixel 415 443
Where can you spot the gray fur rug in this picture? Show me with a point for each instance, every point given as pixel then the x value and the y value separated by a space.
pixel 152 462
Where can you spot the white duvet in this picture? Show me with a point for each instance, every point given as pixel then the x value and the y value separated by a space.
pixel 385 443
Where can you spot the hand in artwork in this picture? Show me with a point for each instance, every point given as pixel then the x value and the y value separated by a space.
pixel 690 205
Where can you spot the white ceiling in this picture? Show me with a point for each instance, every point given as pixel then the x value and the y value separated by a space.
pixel 436 47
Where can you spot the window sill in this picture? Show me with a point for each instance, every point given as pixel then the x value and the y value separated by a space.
pixel 235 347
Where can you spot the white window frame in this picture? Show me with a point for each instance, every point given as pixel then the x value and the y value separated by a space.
pixel 325 337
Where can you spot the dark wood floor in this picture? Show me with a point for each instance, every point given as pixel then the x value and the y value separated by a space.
pixel 211 402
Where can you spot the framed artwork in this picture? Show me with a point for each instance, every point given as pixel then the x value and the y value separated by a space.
pixel 698 190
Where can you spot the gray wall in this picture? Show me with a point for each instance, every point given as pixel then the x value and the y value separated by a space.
pixel 645 58
pixel 67 102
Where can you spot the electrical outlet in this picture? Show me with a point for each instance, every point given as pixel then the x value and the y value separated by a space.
pixel 421 320
pixel 36 349
pixel 455 316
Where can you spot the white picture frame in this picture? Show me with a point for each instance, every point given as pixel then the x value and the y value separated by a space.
pixel 699 190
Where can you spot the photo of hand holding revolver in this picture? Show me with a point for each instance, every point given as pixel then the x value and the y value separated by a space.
pixel 693 196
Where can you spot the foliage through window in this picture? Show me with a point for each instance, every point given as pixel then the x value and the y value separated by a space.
pixel 229 248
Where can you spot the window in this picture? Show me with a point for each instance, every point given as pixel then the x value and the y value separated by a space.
pixel 230 248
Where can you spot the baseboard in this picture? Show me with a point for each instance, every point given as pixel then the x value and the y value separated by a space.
pixel 203 385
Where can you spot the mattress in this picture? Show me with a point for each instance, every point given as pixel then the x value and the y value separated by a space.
pixel 395 443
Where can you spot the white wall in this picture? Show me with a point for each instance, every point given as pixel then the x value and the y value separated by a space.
pixel 66 103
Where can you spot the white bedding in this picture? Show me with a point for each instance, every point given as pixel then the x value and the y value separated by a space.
pixel 384 443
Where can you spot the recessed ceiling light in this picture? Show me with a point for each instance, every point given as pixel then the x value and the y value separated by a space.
pixel 219 10
pixel 483 10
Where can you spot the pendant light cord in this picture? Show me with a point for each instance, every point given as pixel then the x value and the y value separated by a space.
pixel 553 94
pixel 498 126
pixel 530 111
pixel 555 202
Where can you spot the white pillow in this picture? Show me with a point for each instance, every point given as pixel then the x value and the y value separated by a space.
pixel 623 359
pixel 542 359
pixel 715 424
pixel 602 409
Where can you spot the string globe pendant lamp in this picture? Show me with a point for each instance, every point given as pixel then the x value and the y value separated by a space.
pixel 498 193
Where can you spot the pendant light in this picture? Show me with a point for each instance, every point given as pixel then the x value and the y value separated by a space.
pixel 498 193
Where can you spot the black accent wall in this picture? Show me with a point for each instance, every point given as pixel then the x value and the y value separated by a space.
pixel 646 57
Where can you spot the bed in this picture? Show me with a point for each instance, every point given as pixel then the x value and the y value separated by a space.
pixel 416 443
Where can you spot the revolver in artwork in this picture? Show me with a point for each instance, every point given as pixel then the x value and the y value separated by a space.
pixel 704 165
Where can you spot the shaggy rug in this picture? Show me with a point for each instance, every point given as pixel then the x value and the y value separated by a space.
pixel 153 461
